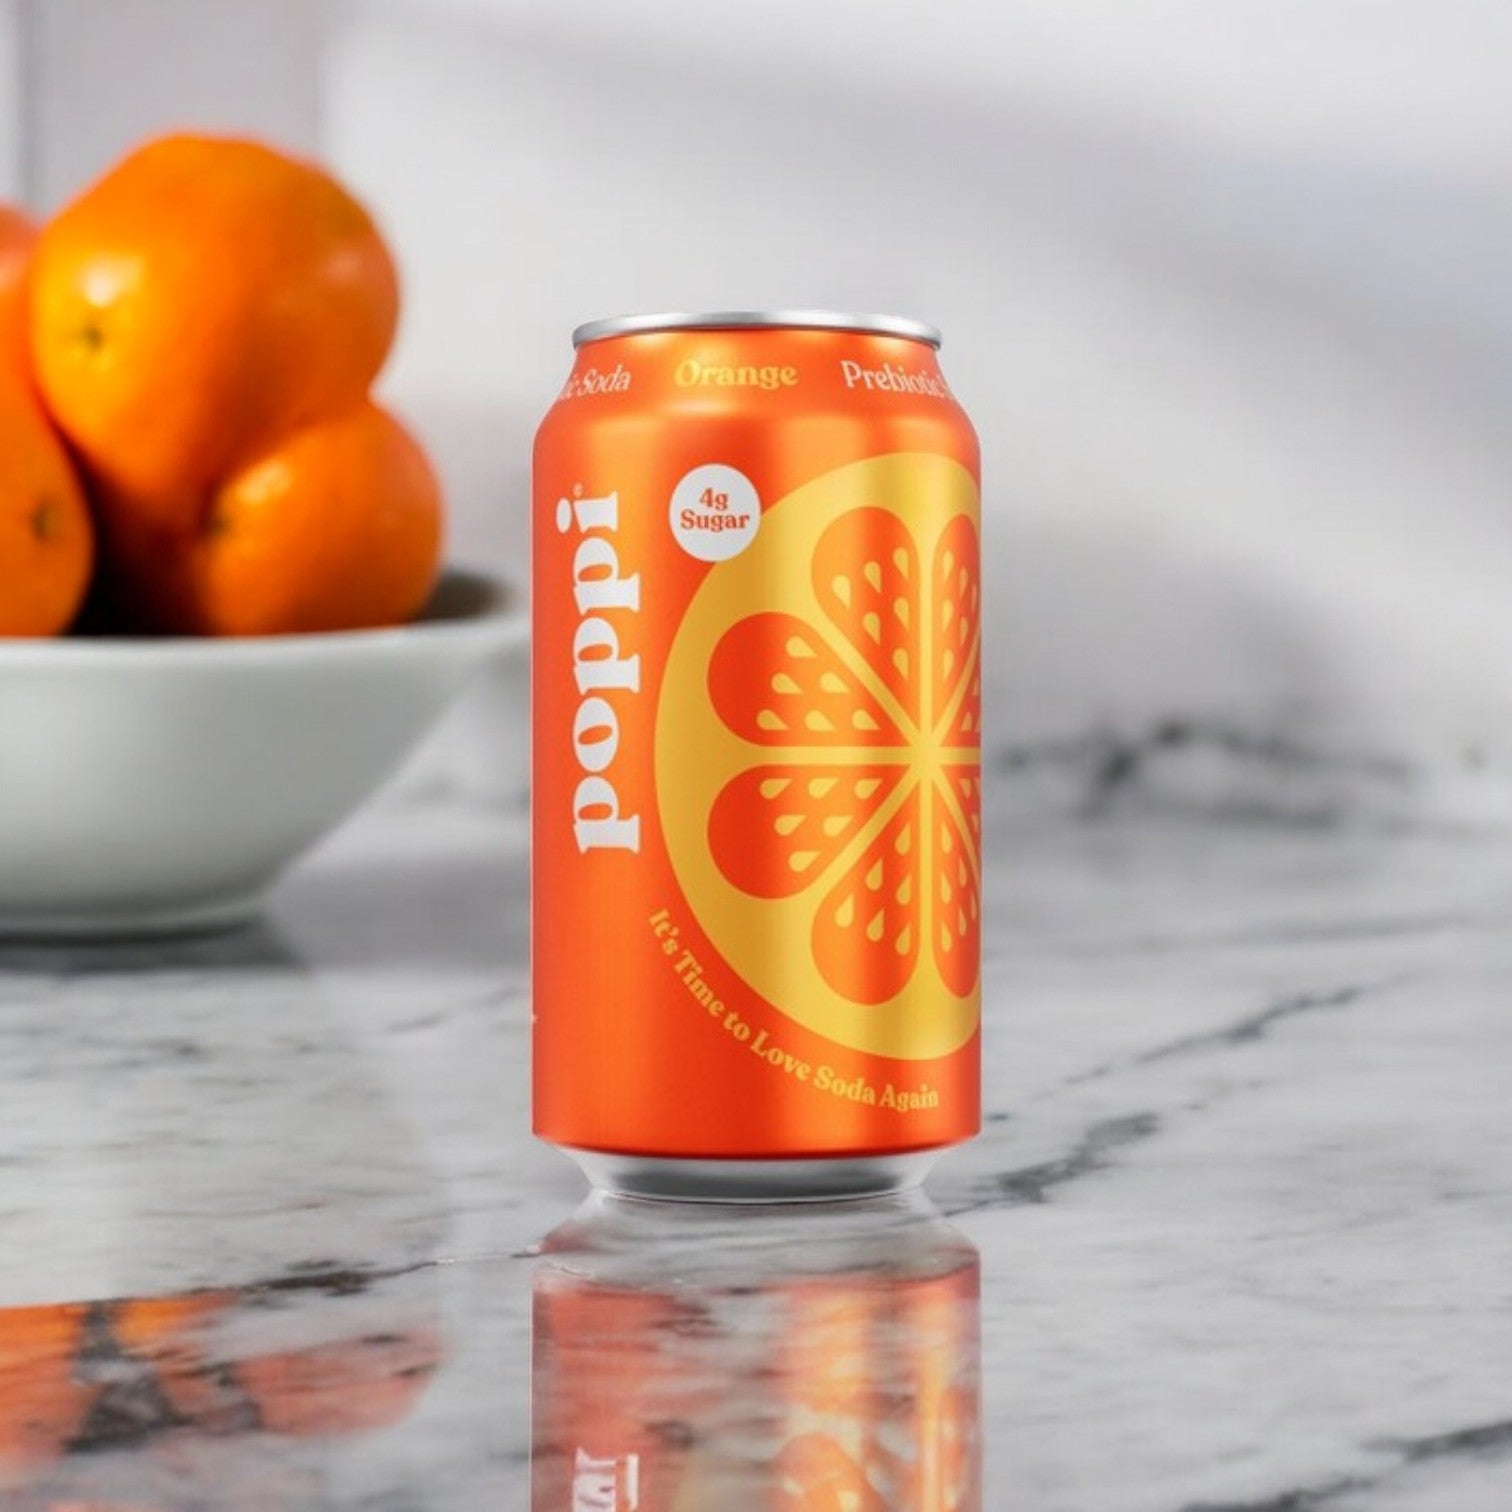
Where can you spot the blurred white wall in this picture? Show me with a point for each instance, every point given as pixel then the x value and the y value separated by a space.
pixel 105 73
pixel 12 101
pixel 1224 287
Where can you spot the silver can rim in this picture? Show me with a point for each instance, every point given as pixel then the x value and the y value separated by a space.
pixel 725 320
pixel 836 1178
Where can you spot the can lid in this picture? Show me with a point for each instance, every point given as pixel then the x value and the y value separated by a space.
pixel 721 320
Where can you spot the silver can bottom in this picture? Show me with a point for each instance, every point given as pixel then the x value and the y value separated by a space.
pixel 834 1179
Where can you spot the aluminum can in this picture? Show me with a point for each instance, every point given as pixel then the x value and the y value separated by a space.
pixel 756 690
pixel 683 1360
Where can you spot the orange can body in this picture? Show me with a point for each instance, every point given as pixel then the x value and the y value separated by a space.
pixel 756 749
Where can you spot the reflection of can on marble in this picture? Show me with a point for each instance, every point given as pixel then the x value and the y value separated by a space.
pixel 690 1362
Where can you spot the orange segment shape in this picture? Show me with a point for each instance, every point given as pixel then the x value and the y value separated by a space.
pixel 957 607
pixel 775 681
pixel 866 578
pixel 957 903
pixel 774 830
pixel 963 726
pixel 866 931
pixel 965 785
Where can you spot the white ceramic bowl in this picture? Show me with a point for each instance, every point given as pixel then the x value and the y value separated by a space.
pixel 149 786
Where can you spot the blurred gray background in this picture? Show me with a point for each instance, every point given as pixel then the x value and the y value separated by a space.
pixel 1224 285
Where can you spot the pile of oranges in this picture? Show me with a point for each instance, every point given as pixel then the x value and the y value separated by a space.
pixel 188 442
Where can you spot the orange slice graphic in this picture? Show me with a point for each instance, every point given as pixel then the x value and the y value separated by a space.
pixel 818 756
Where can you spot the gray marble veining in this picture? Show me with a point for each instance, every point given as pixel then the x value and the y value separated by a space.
pixel 1242 1206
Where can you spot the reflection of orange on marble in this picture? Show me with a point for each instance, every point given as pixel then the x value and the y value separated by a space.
pixel 168 1335
pixel 43 1404
pixel 157 1325
pixel 58 1364
pixel 355 1384
pixel 367 1382
pixel 99 1506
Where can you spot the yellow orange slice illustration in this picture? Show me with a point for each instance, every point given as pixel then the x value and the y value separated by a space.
pixel 819 762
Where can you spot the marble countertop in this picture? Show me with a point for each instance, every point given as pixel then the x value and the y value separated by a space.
pixel 1237 1236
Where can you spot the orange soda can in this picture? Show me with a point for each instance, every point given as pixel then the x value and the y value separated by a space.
pixel 756 817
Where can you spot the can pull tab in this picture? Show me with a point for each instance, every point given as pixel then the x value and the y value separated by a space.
pixel 602 1484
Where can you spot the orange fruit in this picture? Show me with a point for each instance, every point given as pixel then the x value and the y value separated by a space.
pixel 336 527
pixel 46 535
pixel 201 300
pixel 819 761
pixel 18 235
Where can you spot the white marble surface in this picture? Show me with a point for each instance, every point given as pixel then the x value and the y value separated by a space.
pixel 1243 1203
